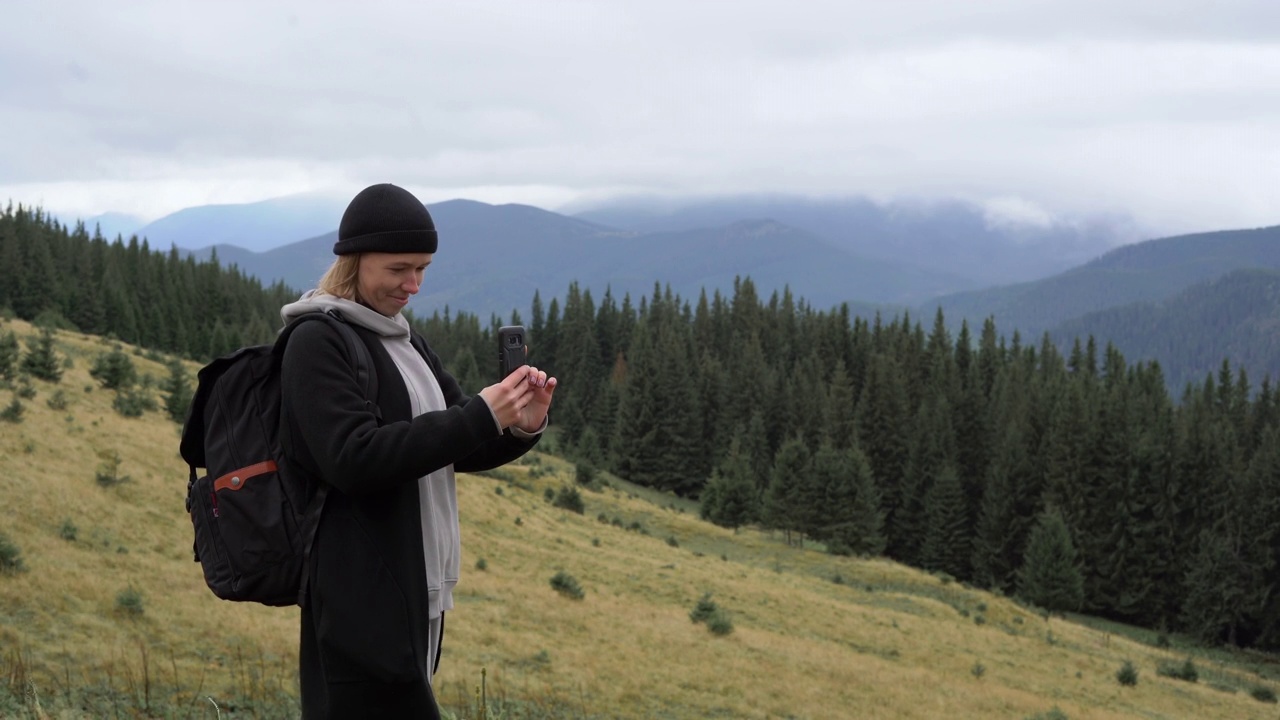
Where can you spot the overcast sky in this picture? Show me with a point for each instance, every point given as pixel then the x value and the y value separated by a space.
pixel 1167 111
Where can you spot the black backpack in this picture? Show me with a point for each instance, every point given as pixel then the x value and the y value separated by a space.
pixel 254 522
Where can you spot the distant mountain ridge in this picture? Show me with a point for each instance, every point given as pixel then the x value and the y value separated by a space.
pixel 906 252
pixel 1149 271
pixel 492 259
pixel 257 227
pixel 1235 316
pixel 955 240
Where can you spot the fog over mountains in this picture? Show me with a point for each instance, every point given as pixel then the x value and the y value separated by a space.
pixel 827 251
pixel 1067 279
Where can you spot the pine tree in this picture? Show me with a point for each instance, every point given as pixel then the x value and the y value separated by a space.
pixel 177 391
pixel 996 554
pixel 782 508
pixel 932 449
pixel 883 433
pixel 466 371
pixel 947 542
pixel 41 361
pixel 1216 596
pixel 9 352
pixel 114 370
pixel 730 499
pixel 863 531
pixel 840 424
pixel 1049 576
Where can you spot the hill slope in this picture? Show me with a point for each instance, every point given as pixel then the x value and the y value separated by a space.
pixel 1236 316
pixel 1151 271
pixel 882 641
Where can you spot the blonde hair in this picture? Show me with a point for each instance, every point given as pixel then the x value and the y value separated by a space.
pixel 340 280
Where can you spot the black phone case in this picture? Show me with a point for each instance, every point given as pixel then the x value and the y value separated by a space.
pixel 511 344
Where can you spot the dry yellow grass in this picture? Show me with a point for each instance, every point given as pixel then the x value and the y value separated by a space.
pixel 885 642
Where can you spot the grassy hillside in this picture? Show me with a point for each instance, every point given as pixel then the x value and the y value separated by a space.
pixel 110 615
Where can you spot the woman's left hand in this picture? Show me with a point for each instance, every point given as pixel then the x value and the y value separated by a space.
pixel 535 413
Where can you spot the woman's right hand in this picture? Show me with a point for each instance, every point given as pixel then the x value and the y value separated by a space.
pixel 507 398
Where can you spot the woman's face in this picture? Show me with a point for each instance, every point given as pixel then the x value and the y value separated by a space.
pixel 386 281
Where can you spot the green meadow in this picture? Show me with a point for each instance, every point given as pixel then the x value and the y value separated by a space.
pixel 633 608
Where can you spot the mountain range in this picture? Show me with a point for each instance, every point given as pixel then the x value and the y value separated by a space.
pixel 828 251
pixel 1064 279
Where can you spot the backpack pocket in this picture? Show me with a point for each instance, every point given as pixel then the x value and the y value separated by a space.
pixel 246 528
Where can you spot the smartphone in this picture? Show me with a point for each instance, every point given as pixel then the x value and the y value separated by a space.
pixel 511 347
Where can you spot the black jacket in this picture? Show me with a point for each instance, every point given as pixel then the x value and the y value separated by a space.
pixel 364 624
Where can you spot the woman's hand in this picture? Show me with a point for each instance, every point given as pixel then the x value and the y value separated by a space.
pixel 534 412
pixel 509 398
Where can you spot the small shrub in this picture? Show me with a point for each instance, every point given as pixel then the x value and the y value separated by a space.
pixel 26 390
pixel 979 619
pixel 570 499
pixel 497 490
pixel 519 521
pixel 13 411
pixel 129 602
pixel 108 474
pixel 68 531
pixel 133 401
pixel 982 607
pixel 482 565
pixel 595 542
pixel 978 670
pixel 602 518
pixel 672 541
pixel 720 624
pixel 1127 675
pixel 704 609
pixel 838 579
pixel 567 585
pixel 1262 693
pixel 616 521
pixel 1186 671
pixel 1052 714
pixel 549 494
pixel 10 557
pixel 57 401
pixel 585 474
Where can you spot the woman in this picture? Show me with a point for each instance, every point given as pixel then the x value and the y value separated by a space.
pixel 386 553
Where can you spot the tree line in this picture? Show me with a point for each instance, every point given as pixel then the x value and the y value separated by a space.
pixel 122 288
pixel 1008 464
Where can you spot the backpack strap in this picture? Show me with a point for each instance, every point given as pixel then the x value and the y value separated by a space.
pixel 362 360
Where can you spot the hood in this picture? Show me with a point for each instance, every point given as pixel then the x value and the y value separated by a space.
pixel 354 313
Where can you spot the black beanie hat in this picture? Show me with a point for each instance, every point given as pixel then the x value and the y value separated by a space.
pixel 385 218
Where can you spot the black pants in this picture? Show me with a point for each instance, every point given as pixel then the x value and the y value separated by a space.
pixel 324 698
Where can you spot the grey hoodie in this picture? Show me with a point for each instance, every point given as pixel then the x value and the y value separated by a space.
pixel 437 492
